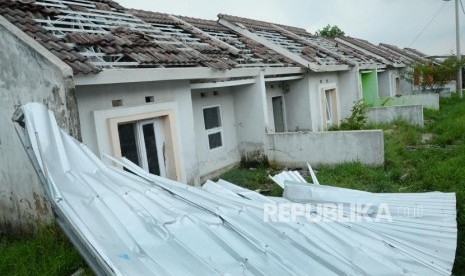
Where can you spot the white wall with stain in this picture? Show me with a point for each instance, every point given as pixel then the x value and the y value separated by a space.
pixel 28 73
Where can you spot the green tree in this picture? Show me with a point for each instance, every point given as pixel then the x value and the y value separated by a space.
pixel 431 77
pixel 330 31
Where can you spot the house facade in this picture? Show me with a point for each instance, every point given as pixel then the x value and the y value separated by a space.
pixel 181 97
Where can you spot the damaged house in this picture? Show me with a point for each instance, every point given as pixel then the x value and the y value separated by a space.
pixel 386 87
pixel 183 98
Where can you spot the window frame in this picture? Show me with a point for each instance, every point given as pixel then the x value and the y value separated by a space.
pixel 335 105
pixel 214 130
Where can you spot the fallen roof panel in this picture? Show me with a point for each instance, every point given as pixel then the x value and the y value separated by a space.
pixel 141 224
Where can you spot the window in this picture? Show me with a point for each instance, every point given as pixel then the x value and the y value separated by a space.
pixel 212 120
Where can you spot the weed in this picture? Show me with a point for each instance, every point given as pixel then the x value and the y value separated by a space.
pixel 47 253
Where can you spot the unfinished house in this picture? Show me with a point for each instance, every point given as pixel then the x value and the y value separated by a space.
pixel 321 87
pixel 417 56
pixel 361 64
pixel 384 83
pixel 310 103
pixel 387 87
pixel 182 98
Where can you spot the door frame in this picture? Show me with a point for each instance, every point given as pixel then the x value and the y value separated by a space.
pixel 172 151
pixel 335 105
pixel 283 109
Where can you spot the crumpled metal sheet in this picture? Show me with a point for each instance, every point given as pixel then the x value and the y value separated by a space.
pixel 424 224
pixel 293 176
pixel 140 224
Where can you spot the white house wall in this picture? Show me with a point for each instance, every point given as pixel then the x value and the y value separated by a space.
pixel 251 119
pixel 274 89
pixel 386 84
pixel 349 91
pixel 406 88
pixel 298 105
pixel 95 102
pixel 28 73
pixel 211 162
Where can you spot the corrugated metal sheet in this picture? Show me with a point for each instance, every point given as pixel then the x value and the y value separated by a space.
pixel 423 225
pixel 293 176
pixel 140 224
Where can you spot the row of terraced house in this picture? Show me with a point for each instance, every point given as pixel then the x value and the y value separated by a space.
pixel 188 98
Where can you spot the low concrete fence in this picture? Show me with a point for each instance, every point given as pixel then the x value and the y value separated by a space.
pixel 412 114
pixel 327 148
pixel 427 100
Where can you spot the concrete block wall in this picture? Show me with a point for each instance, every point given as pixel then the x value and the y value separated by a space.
pixel 427 100
pixel 327 148
pixel 412 114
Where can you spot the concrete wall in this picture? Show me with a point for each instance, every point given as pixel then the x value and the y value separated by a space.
pixel 429 100
pixel 95 108
pixel 329 148
pixel 251 119
pixel 211 162
pixel 412 114
pixel 28 73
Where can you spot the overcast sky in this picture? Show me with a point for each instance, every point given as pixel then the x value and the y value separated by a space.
pixel 396 22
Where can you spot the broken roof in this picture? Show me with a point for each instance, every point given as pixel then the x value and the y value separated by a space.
pixel 214 39
pixel 90 35
pixel 416 52
pixel 390 57
pixel 250 51
pixel 350 55
pixel 284 37
pixel 407 54
pixel 25 15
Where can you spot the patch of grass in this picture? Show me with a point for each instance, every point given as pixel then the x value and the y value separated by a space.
pixel 254 179
pixel 411 165
pixel 47 253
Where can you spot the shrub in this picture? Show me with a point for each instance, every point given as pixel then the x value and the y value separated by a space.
pixel 357 119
